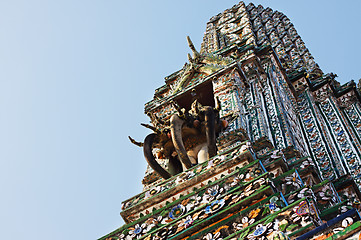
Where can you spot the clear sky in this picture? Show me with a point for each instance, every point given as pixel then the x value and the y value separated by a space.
pixel 74 77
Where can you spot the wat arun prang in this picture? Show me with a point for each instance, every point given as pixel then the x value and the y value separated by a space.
pixel 251 140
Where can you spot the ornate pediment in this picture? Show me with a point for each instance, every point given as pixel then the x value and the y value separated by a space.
pixel 198 67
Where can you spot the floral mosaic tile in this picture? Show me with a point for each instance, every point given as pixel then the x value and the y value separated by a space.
pixel 198 197
pixel 229 202
pixel 194 177
pixel 292 220
pixel 288 182
pixel 326 195
pixel 241 220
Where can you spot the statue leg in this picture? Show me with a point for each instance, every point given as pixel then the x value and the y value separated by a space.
pixel 192 154
pixel 175 166
pixel 210 131
pixel 176 124
pixel 203 153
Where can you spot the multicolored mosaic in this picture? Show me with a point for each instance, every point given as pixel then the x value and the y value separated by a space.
pixel 197 176
pixel 251 140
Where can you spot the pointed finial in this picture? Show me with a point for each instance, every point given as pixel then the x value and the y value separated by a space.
pixel 196 54
pixel 190 59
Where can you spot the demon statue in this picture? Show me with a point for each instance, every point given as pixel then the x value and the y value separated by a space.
pixel 186 139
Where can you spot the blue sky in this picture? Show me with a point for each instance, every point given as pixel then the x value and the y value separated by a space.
pixel 74 77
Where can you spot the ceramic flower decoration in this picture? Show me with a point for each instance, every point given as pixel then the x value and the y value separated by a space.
pixel 211 236
pixel 136 231
pixel 294 180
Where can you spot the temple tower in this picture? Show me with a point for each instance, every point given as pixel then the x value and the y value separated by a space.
pixel 251 140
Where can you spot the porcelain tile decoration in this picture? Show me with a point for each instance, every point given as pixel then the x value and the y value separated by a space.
pixel 250 139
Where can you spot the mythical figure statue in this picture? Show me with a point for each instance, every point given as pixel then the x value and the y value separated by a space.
pixel 188 138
